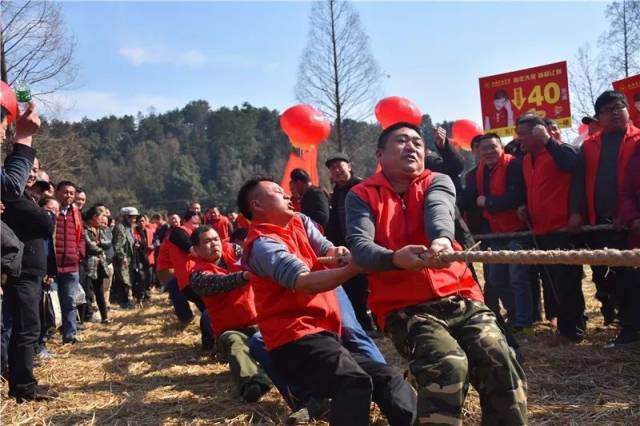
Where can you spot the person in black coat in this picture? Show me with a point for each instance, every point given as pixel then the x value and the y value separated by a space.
pixel 357 288
pixel 32 225
pixel 314 202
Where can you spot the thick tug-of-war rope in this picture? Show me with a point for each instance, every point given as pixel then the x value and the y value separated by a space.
pixel 604 257
pixel 587 228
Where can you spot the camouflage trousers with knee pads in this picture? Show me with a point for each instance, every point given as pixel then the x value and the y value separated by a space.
pixel 450 343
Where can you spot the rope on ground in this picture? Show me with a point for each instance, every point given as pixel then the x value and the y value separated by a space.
pixel 603 257
pixel 587 228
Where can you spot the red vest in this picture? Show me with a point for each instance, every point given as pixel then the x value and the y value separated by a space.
pixel 399 221
pixel 222 227
pixel 233 310
pixel 547 193
pixel 504 221
pixel 591 149
pixel 164 257
pixel 286 315
pixel 180 261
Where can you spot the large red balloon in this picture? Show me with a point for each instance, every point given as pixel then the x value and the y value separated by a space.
pixel 305 126
pixel 395 109
pixel 9 101
pixel 463 131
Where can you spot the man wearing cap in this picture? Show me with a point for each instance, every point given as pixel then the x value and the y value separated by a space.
pixel 398 221
pixel 343 179
pixel 595 199
pixel 124 266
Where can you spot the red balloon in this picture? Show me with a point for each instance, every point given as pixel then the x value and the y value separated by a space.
pixel 395 109
pixel 9 101
pixel 463 131
pixel 305 126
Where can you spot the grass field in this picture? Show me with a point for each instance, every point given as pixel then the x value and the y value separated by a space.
pixel 145 369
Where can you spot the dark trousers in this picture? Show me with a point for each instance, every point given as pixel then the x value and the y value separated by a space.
pixel 320 363
pixel 565 282
pixel 357 289
pixel 98 292
pixel 180 304
pixel 23 297
pixel 206 330
pixel 85 310
pixel 616 287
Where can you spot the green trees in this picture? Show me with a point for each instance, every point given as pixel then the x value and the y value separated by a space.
pixel 163 161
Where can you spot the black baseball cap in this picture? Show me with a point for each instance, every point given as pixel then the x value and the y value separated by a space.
pixel 338 156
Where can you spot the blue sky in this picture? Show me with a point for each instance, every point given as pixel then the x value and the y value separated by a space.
pixel 134 55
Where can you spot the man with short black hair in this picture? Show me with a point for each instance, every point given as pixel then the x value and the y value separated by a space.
pixel 547 168
pixel 70 249
pixel 299 314
pixel 398 222
pixel 498 189
pixel 313 202
pixel 343 179
pixel 595 199
pixel 227 294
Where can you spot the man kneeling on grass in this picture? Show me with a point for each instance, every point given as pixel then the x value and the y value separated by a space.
pixel 228 296
pixel 299 314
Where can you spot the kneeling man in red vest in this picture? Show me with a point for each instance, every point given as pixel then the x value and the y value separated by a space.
pixel 226 291
pixel 299 315
pixel 398 221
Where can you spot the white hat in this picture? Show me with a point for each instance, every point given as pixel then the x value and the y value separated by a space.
pixel 129 211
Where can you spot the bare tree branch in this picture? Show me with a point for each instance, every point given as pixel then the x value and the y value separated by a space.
pixel 337 71
pixel 36 47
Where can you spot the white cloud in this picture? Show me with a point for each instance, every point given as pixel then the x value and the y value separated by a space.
pixel 193 58
pixel 73 106
pixel 137 56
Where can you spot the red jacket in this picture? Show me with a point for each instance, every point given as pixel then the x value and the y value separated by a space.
pixel 630 196
pixel 547 193
pixel 591 149
pixel 400 222
pixel 180 260
pixel 504 221
pixel 69 241
pixel 286 315
pixel 234 310
pixel 164 256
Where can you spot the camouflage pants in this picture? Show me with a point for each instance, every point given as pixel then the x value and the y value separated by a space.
pixel 449 343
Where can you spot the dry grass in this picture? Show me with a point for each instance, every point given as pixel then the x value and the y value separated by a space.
pixel 145 369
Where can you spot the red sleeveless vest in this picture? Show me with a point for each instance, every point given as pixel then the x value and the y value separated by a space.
pixel 399 222
pixel 285 315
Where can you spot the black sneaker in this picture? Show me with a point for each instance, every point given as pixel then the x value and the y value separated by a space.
pixel 252 392
pixel 37 395
pixel 127 305
pixel 625 338
pixel 71 341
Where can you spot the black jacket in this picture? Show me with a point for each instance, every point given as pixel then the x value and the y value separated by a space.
pixel 33 225
pixel 315 204
pixel 336 228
